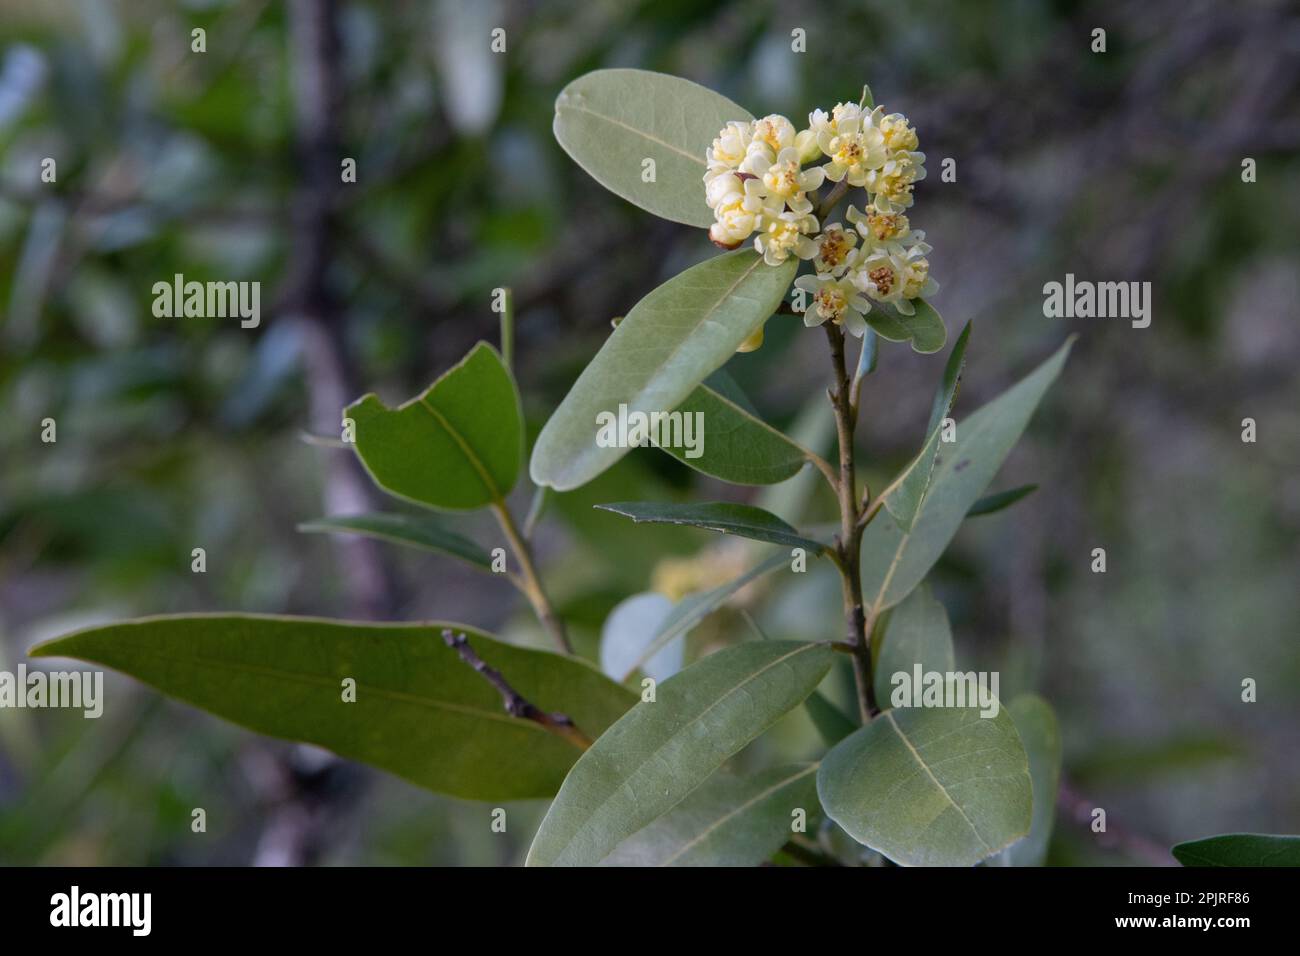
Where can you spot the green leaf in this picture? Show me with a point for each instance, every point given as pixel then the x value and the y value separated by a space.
pixel 894 559
pixel 905 493
pixel 668 344
pixel 868 357
pixel 1240 849
pixel 663 749
pixel 793 500
pixel 740 447
pixel 696 607
pixel 420 711
pixel 930 787
pixel 729 821
pixel 952 372
pixel 917 633
pixel 1041 737
pixel 925 329
pixel 417 531
pixel 630 628
pixel 831 722
pixel 993 503
pixel 724 517
pixel 611 121
pixel 457 445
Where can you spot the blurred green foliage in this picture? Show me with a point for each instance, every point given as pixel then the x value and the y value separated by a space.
pixel 174 434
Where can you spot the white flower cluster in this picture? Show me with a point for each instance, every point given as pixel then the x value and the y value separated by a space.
pixel 759 178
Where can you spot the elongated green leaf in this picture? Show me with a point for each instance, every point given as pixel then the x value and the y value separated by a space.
pixel 813 429
pixel 458 445
pixel 1240 849
pixel 903 496
pixel 894 559
pixel 696 607
pixel 869 357
pixel 740 448
pixel 925 329
pixel 991 504
pixel 630 628
pixel 417 531
pixel 668 344
pixel 1036 724
pixel 905 493
pixel 420 712
pixel 729 821
pixel 952 373
pixel 930 787
pixel 917 633
pixel 724 517
pixel 612 121
pixel 662 750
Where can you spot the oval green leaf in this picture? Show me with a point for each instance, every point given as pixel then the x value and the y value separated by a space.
pixel 457 445
pixel 917 633
pixel 660 751
pixel 729 821
pixel 904 494
pixel 741 448
pixel 992 504
pixel 724 517
pixel 896 558
pixel 420 712
pixel 611 121
pixel 924 329
pixel 930 787
pixel 1036 723
pixel 670 342
pixel 1240 849
pixel 416 531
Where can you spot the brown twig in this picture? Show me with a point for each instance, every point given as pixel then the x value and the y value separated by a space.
pixel 849 543
pixel 515 703
pixel 827 205
pixel 1079 809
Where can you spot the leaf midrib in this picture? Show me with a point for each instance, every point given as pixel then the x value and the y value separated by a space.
pixel 328 682
pixel 703 318
pixel 690 723
pixel 889 714
pixel 632 129
pixel 489 485
pixel 707 831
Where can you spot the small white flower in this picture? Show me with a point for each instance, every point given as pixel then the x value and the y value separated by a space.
pixel 915 274
pixel 835 249
pixel 720 187
pixel 781 182
pixel 834 299
pixel 783 234
pixel 879 276
pixel 729 148
pixel 774 131
pixel 886 232
pixel 819 121
pixel 735 220
pixel 854 151
pixel 892 181
pixel 899 135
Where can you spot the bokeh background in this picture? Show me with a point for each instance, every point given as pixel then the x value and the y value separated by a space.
pixel 174 434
